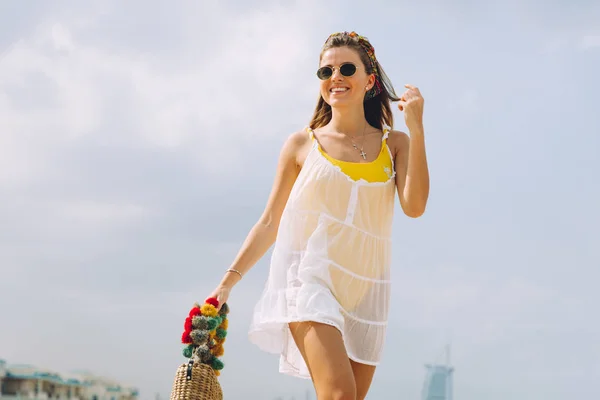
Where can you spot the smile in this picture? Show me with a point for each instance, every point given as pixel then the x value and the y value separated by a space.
pixel 338 90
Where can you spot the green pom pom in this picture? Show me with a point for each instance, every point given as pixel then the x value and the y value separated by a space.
pixel 188 351
pixel 200 322
pixel 213 322
pixel 199 336
pixel 221 333
pixel 224 309
pixel 217 364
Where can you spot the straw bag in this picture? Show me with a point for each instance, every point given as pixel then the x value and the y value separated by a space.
pixel 204 335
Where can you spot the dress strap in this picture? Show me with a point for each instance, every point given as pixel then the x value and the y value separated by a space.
pixel 311 134
pixel 386 132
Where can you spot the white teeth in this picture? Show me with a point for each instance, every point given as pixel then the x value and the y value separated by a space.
pixel 339 89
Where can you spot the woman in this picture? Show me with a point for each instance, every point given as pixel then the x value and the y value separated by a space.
pixel 325 305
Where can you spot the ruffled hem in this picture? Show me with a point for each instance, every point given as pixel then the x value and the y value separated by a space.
pixel 307 303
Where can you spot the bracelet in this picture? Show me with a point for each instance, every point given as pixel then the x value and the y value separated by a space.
pixel 236 271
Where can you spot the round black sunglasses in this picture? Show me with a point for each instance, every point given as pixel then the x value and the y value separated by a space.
pixel 346 69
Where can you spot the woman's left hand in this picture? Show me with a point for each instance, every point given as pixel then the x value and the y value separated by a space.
pixel 411 102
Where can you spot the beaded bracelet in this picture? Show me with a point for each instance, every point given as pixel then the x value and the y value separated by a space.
pixel 204 333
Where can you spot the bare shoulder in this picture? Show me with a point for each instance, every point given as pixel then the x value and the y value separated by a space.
pixel 298 139
pixel 398 142
pixel 296 146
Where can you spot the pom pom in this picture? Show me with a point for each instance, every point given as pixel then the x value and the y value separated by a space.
pixel 211 340
pixel 218 320
pixel 225 323
pixel 221 333
pixel 204 354
pixel 188 351
pixel 217 364
pixel 218 350
pixel 195 311
pixel 199 336
pixel 200 322
pixel 185 338
pixel 213 301
pixel 212 323
pixel 219 341
pixel 205 332
pixel 209 310
pixel 224 309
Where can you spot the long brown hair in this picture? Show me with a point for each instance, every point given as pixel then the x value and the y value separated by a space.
pixel 378 111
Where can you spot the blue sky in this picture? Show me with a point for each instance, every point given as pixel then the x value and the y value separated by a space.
pixel 138 144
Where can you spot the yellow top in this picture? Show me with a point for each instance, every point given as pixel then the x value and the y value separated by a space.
pixel 379 170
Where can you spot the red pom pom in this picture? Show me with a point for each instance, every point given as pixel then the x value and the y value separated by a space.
pixel 213 301
pixel 185 338
pixel 195 311
pixel 188 324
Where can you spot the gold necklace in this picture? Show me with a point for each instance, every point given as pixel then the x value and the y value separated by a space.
pixel 361 150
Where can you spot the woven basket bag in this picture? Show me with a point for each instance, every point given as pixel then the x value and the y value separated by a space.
pixel 196 381
pixel 203 337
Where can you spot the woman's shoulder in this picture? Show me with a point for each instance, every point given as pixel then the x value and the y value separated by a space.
pixel 300 137
pixel 397 136
pixel 296 145
pixel 397 140
pixel 297 140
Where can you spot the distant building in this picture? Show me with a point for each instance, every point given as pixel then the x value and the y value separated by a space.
pixel 29 382
pixel 2 372
pixel 438 384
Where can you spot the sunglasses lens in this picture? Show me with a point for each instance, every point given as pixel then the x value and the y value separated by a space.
pixel 348 69
pixel 324 73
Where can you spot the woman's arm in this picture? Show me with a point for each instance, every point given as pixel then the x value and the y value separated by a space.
pixel 264 232
pixel 412 172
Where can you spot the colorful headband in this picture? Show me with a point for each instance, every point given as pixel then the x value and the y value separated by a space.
pixel 368 48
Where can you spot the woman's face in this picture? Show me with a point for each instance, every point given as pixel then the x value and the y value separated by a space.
pixel 337 89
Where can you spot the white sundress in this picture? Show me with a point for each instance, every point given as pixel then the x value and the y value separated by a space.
pixel 330 264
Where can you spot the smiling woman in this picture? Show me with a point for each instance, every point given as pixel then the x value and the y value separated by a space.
pixel 375 94
pixel 325 306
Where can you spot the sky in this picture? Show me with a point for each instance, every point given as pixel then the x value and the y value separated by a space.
pixel 138 144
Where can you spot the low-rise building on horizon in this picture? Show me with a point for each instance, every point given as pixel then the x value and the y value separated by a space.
pixel 25 381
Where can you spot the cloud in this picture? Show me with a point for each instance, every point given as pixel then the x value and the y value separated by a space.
pixel 116 127
pixel 571 41
pixel 467 101
pixel 589 42
pixel 98 213
pixel 458 299
pixel 58 88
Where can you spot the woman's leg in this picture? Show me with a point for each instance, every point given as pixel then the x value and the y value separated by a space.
pixel 363 376
pixel 323 350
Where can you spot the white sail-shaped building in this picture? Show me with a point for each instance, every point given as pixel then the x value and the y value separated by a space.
pixel 438 384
